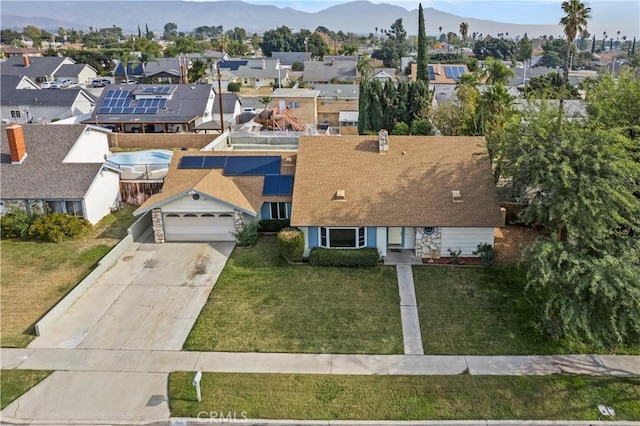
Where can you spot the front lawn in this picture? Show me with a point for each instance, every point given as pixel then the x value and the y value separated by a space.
pixel 261 304
pixel 306 397
pixel 471 311
pixel 35 275
pixel 14 383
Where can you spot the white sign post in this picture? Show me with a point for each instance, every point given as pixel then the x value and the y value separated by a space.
pixel 196 383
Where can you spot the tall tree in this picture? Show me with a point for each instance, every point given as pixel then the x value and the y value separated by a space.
pixel 423 58
pixel 364 67
pixel 170 31
pixel 496 71
pixel 364 108
pixel 464 30
pixel 418 101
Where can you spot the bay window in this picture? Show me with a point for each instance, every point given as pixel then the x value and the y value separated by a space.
pixel 343 237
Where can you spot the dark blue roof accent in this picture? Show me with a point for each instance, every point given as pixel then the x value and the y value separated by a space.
pixel 233 65
pixel 278 185
pixel 234 165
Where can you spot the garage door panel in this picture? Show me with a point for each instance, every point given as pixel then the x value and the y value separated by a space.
pixel 196 227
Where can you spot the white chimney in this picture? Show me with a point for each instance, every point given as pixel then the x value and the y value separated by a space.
pixel 383 141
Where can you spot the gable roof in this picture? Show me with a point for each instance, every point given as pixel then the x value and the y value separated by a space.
pixel 39 66
pixel 338 91
pixel 243 192
pixel 408 186
pixel 187 102
pixel 343 70
pixel 288 58
pixel 11 96
pixel 134 68
pixel 229 101
pixel 42 175
pixel 162 65
pixel 253 67
pixel 295 93
pixel 69 70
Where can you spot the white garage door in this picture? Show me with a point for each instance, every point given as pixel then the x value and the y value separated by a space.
pixel 199 227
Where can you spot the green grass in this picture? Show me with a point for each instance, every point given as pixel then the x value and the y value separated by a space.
pixel 36 275
pixel 305 397
pixel 470 311
pixel 14 383
pixel 261 304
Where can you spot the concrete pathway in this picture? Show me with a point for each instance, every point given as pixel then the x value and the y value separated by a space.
pixel 409 311
pixel 149 300
pixel 139 361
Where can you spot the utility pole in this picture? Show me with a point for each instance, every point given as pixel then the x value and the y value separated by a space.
pixel 220 100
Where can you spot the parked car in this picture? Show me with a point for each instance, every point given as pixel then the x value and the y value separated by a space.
pixel 250 110
pixel 100 82
pixel 46 84
pixel 130 81
pixel 60 84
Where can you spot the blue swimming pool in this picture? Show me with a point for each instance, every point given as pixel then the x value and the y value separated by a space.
pixel 148 164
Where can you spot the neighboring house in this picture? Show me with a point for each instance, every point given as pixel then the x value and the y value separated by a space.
pixel 329 71
pixel 426 194
pixel 48 168
pixel 301 103
pixel 256 72
pixel 334 99
pixel 384 75
pixel 24 102
pixel 77 73
pixel 349 122
pixel 10 52
pixel 135 70
pixel 210 195
pixel 165 71
pixel 38 69
pixel 231 110
pixel 288 58
pixel 445 73
pixel 146 108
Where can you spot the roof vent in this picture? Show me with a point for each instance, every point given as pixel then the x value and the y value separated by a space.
pixel 457 198
pixel 340 195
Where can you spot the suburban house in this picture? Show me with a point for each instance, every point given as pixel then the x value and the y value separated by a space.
pixel 430 195
pixel 256 72
pixel 289 58
pixel 334 100
pixel 23 101
pixel 38 69
pixel 146 108
pixel 427 194
pixel 47 168
pixel 329 71
pixel 301 103
pixel 10 51
pixel 164 71
pixel 210 195
pixel 135 70
pixel 231 111
pixel 441 73
pixel 385 74
pixel 77 73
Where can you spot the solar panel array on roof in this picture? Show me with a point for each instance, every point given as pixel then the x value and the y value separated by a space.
pixel 278 185
pixel 233 65
pixel 234 165
pixel 164 90
pixel 121 102
pixel 432 73
pixel 454 72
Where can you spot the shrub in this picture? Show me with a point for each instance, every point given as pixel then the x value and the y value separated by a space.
pixel 247 236
pixel 272 225
pixel 58 227
pixel 291 244
pixel 344 257
pixel 421 127
pixel 487 255
pixel 233 87
pixel 16 223
pixel 400 128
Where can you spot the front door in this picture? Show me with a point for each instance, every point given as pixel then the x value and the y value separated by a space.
pixel 394 236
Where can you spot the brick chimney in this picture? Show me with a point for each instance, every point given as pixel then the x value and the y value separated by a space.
pixel 383 141
pixel 15 137
pixel 25 60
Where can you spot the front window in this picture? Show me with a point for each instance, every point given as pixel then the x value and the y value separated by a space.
pixel 343 237
pixel 16 114
pixel 294 104
pixel 74 208
pixel 279 211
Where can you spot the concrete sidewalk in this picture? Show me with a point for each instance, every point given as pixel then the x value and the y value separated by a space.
pixel 167 361
pixel 409 311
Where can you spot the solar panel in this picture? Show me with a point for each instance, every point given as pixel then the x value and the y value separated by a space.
pixel 138 110
pixel 151 111
pixel 166 90
pixel 103 110
pixel 128 110
pixel 192 162
pixel 278 185
pixel 162 103
pixel 217 162
pixel 110 94
pixel 116 111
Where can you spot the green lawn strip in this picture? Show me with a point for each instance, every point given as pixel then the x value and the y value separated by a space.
pixel 36 275
pixel 14 383
pixel 470 311
pixel 322 397
pixel 260 304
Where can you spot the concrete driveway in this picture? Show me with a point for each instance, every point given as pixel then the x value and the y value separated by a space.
pixel 148 301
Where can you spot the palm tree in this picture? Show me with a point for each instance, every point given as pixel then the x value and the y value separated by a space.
pixel 128 58
pixel 376 32
pixel 575 20
pixel 496 72
pixel 464 30
pixel 364 67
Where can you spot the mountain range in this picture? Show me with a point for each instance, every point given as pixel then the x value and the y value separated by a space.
pixel 361 17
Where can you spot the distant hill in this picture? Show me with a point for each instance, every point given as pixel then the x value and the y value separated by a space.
pixel 360 17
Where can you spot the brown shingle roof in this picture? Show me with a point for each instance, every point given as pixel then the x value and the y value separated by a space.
pixel 409 186
pixel 244 192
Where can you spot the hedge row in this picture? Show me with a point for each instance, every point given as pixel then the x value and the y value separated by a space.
pixel 344 257
pixel 272 225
